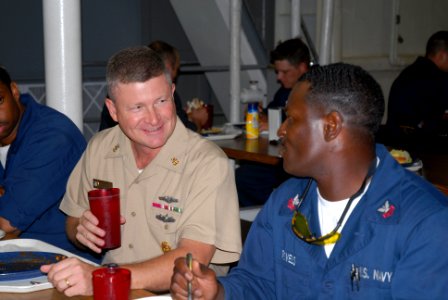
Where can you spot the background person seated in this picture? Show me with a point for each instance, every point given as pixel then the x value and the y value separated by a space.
pixel 418 101
pixel 254 181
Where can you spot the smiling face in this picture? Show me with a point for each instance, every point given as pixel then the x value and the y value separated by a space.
pixel 145 112
pixel 10 113
pixel 302 134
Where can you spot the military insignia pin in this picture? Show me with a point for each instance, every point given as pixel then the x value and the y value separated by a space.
pixel 387 210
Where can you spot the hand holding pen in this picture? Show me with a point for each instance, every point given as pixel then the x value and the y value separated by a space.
pixel 194 280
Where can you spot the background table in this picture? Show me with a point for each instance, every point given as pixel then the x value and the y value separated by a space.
pixel 256 150
pixel 435 165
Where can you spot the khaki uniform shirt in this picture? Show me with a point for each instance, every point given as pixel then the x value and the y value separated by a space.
pixel 187 191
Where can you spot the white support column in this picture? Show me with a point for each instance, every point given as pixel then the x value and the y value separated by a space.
pixel 295 18
pixel 336 49
pixel 63 70
pixel 326 32
pixel 235 64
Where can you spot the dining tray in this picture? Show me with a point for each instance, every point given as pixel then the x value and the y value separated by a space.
pixel 18 265
pixel 39 282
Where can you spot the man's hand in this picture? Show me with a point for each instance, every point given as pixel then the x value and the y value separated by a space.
pixel 88 233
pixel 204 283
pixel 70 276
pixel 84 231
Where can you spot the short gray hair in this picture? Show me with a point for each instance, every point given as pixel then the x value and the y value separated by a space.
pixel 134 64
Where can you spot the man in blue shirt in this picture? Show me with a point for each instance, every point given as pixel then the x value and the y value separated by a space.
pixel 353 224
pixel 39 147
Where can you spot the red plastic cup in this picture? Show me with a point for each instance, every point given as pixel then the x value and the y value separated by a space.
pixel 111 283
pixel 105 205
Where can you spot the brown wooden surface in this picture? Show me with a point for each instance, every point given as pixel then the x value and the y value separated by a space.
pixel 435 166
pixel 256 150
pixel 53 294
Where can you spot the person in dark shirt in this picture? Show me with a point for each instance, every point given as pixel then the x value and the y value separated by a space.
pixel 291 59
pixel 254 181
pixel 418 99
pixel 170 55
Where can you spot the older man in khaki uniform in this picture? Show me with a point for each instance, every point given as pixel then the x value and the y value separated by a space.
pixel 177 189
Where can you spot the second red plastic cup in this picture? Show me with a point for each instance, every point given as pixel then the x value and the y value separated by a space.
pixel 111 283
pixel 105 205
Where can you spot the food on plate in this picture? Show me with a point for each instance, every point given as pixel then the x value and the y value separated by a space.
pixel 195 103
pixel 213 130
pixel 402 156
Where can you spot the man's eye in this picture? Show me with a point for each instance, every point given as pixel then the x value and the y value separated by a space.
pixel 161 101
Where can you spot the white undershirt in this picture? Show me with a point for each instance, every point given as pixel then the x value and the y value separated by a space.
pixel 330 212
pixel 4 154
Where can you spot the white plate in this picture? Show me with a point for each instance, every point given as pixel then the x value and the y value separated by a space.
pixel 217 137
pixel 228 132
pixel 33 284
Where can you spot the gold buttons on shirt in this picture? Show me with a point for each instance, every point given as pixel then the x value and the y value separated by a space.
pixel 165 246
pixel 133 214
pixel 131 246
pixel 174 161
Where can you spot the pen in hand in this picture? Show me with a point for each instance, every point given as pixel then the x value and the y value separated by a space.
pixel 190 266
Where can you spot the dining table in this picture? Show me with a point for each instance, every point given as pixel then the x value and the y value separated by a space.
pixel 259 150
pixel 53 294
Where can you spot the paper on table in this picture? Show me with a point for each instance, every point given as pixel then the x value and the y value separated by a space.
pixel 37 283
pixel 249 213
pixel 161 297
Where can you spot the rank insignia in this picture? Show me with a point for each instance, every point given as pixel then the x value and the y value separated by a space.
pixel 292 203
pixel 387 210
pixel 165 247
pixel 165 218
pixel 174 161
pixel 168 199
pixel 116 147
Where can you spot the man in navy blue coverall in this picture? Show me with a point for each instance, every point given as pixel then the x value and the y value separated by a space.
pixel 39 148
pixel 353 224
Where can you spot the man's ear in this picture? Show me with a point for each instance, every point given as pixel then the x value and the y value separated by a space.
pixel 173 88
pixel 15 91
pixel 112 109
pixel 303 68
pixel 332 125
